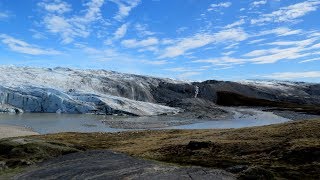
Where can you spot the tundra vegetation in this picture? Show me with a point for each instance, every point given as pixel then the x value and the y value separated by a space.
pixel 290 150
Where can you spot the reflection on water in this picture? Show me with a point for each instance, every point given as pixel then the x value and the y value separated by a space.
pixel 52 123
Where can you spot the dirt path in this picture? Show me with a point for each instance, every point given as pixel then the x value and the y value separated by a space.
pixel 102 164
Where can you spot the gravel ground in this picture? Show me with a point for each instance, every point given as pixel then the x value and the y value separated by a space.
pixel 154 122
pixel 104 164
pixel 294 115
pixel 7 131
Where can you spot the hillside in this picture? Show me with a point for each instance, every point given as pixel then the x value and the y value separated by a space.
pixel 64 90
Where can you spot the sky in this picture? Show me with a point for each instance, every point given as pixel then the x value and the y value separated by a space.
pixel 181 39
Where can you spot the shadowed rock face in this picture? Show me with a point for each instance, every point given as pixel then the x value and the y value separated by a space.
pixel 66 90
pixel 109 165
pixel 301 93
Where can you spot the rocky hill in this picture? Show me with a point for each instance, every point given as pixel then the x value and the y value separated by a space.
pixel 64 90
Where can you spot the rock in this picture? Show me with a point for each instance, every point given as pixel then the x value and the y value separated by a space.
pixel 3 165
pixel 237 168
pixel 256 173
pixel 104 164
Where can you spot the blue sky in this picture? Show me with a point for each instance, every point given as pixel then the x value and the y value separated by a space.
pixel 181 39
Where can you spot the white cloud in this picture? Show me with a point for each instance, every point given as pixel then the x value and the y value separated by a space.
pixel 186 75
pixel 167 41
pixel 124 8
pixel 177 69
pixel 294 75
pixel 56 6
pixel 256 41
pixel 232 46
pixel 157 62
pixel 203 39
pixel 37 34
pixel 310 60
pixel 76 26
pixel 274 55
pixel 281 31
pixel 133 43
pixel 293 43
pixel 220 5
pixel 149 48
pixel 20 46
pixel 228 53
pixel 121 31
pixel 315 46
pixel 142 30
pixel 296 49
pixel 221 61
pixel 289 13
pixel 258 3
pixel 235 24
pixel 262 52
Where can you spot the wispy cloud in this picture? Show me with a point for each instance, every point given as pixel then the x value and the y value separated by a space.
pixel 133 43
pixel 221 61
pixel 258 3
pixel 310 60
pixel 187 75
pixel 76 26
pixel 220 5
pixel 283 50
pixel 37 34
pixel 155 62
pixel 255 41
pixel 177 69
pixel 280 31
pixel 124 8
pixel 294 75
pixel 202 39
pixel 56 6
pixel 289 13
pixel 121 31
pixel 142 30
pixel 23 47
pixel 235 24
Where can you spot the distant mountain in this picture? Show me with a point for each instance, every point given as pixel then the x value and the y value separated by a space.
pixel 65 90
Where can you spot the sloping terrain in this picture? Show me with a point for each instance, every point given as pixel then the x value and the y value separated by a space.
pixel 289 150
pixel 104 164
pixel 65 90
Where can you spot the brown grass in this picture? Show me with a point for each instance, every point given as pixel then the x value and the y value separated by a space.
pixel 290 150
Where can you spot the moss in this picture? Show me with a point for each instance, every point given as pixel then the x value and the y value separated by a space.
pixel 18 152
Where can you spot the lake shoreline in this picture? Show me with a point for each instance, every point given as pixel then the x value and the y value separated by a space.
pixel 7 131
pixel 45 123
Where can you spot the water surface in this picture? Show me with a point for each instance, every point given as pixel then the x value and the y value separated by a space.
pixel 44 123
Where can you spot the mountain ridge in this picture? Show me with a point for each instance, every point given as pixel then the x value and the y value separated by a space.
pixel 65 90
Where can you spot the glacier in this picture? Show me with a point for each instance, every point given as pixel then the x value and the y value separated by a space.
pixel 64 90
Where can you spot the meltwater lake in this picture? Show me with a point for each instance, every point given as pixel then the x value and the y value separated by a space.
pixel 45 123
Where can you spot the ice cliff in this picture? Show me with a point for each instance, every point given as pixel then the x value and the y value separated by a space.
pixel 64 90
